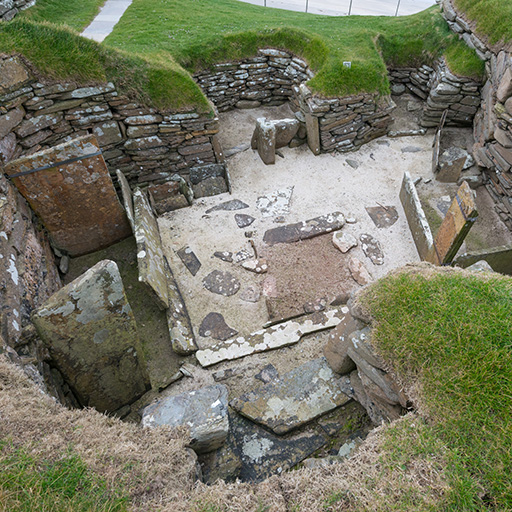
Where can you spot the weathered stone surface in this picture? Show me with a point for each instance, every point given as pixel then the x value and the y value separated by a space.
pixel 250 294
pixel 264 140
pixel 108 133
pixel 90 331
pixel 451 163
pixel 416 218
pixel 353 163
pixel 204 411
pixel 258 266
pixel 224 256
pixel 336 349
pixel 504 137
pixel 126 193
pixel 505 88
pixel 253 454
pixel 210 187
pixel 76 201
pixel 267 374
pixel 359 272
pixel 13 75
pixel 277 336
pixel 286 129
pixel 7 148
pixel 313 134
pixel 372 249
pixel 343 241
pixel 35 124
pixel 382 216
pixel 499 258
pixel 411 149
pixel 214 326
pixel 150 256
pixel 221 283
pixel 480 266
pixel 203 172
pixel 315 305
pixel 180 328
pixel 275 203
pixel 304 230
pixel 242 221
pixel 234 204
pixel 189 259
pixel 298 397
pixel 10 120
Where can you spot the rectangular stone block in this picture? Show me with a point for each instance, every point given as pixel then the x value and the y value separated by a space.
pixel 70 189
pixel 90 331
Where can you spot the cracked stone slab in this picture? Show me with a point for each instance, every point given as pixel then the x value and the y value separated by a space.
pixel 214 326
pixel 253 454
pixel 242 220
pixel 234 204
pixel 189 259
pixel 204 411
pixel 276 203
pixel 276 336
pixel 305 229
pixel 382 216
pixel 221 283
pixel 298 397
pixel 372 249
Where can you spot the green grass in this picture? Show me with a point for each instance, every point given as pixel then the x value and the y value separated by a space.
pixel 28 483
pixel 76 14
pixel 493 17
pixel 453 335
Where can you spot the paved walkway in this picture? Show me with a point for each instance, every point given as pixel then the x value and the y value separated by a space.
pixel 106 19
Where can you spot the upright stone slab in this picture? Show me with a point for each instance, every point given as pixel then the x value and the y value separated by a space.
pixel 204 411
pixel 126 192
pixel 313 132
pixel 89 328
pixel 459 219
pixel 416 218
pixel 264 140
pixel 301 395
pixel 150 256
pixel 70 189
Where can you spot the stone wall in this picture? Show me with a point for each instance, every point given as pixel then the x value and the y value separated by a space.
pixel 493 122
pixel 147 145
pixel 10 8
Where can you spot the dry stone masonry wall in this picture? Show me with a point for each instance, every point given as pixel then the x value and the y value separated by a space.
pixel 147 145
pixel 10 8
pixel 493 122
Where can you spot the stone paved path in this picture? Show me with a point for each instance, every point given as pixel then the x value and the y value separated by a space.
pixel 106 19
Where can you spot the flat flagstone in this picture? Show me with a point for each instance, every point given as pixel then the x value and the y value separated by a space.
pixel 214 326
pixel 298 397
pixel 189 259
pixel 242 220
pixel 383 216
pixel 304 230
pixel 234 204
pixel 372 249
pixel 221 283
pixel 276 336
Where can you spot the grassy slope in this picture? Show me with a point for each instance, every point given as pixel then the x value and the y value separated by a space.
pixel 452 335
pixel 75 14
pixel 493 17
pixel 202 32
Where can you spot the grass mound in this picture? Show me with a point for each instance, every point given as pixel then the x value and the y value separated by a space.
pixel 449 334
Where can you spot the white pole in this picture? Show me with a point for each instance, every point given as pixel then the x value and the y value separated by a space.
pixel 398 5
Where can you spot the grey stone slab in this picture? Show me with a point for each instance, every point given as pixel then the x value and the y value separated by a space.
pixel 276 336
pixel 224 256
pixel 298 397
pixel 210 187
pixel 201 173
pixel 204 411
pixel 214 326
pixel 234 204
pixel 382 216
pixel 221 283
pixel 126 193
pixel 276 203
pixel 89 329
pixel 303 230
pixel 189 259
pixel 252 454
pixel 242 220
pixel 150 256
pixel 499 258
pixel 353 163
pixel 372 249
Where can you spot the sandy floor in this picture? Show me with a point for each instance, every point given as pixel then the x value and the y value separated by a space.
pixel 321 185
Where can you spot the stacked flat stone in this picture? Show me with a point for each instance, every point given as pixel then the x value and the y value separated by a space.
pixel 147 145
pixel 263 80
pixel 412 80
pixel 10 8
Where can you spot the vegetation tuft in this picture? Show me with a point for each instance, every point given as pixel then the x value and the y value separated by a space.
pixel 449 334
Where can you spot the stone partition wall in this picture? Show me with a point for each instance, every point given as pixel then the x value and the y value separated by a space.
pixel 10 8
pixel 493 122
pixel 147 145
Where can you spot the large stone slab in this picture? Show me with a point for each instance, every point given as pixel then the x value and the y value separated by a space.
pixel 298 397
pixel 126 193
pixel 75 199
pixel 253 454
pixel 150 256
pixel 204 411
pixel 303 230
pixel 89 328
pixel 276 336
pixel 382 216
pixel 416 218
pixel 264 140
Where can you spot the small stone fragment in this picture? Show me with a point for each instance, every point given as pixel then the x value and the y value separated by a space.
pixel 250 294
pixel 214 326
pixel 242 255
pixel 221 283
pixel 343 241
pixel 234 204
pixel 353 163
pixel 315 305
pixel 224 256
pixel 257 266
pixel 358 272
pixel 267 374
pixel 372 249
pixel 189 259
pixel 242 221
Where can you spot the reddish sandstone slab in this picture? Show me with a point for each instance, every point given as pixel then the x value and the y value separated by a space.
pixel 70 189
